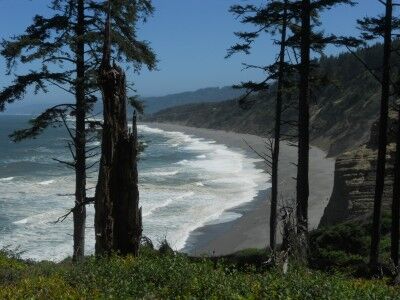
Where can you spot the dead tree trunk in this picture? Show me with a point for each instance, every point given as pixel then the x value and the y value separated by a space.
pixel 303 127
pixel 108 79
pixel 127 215
pixel 383 127
pixel 118 216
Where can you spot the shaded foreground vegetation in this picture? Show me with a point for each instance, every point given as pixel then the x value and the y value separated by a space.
pixel 154 275
pixel 345 247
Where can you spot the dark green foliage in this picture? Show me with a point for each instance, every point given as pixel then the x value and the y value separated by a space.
pixel 165 248
pixel 340 246
pixel 38 80
pixel 345 247
pixel 247 259
pixel 53 117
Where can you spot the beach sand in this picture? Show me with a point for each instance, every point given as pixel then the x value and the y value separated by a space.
pixel 252 229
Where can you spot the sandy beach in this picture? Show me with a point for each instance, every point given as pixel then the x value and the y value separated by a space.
pixel 252 230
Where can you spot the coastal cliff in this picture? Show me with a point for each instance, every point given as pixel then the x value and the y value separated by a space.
pixel 343 124
pixel 354 183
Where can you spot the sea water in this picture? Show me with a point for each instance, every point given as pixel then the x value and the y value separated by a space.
pixel 186 182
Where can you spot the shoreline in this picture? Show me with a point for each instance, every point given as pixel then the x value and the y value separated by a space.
pixel 251 229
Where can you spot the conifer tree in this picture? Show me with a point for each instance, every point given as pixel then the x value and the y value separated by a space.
pixel 383 128
pixel 307 39
pixel 272 18
pixel 70 42
pixel 303 37
pixel 374 28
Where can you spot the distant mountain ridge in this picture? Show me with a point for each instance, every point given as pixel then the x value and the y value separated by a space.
pixel 211 94
pixel 152 104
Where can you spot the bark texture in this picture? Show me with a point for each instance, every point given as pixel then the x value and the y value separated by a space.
pixel 395 232
pixel 302 187
pixel 79 212
pixel 382 143
pixel 118 220
pixel 277 135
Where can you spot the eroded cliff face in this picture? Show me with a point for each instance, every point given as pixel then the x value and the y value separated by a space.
pixel 354 183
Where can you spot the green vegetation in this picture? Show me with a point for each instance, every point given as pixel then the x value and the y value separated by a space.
pixel 169 276
pixel 345 247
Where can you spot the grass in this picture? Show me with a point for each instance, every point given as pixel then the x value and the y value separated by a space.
pixel 169 276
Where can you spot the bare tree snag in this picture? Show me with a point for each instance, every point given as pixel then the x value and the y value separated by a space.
pixel 118 216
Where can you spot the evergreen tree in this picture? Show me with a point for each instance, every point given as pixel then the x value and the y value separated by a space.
pixel 272 18
pixel 373 28
pixel 307 39
pixel 302 22
pixel 71 41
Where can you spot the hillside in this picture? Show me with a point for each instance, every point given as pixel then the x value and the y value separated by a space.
pixel 343 122
pixel 212 94
pixel 342 113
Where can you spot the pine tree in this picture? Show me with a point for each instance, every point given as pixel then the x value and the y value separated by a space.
pixel 374 28
pixel 308 40
pixel 272 18
pixel 71 39
pixel 300 34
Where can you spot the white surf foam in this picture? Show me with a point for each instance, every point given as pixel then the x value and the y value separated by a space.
pixel 168 201
pixel 216 179
pixel 228 178
pixel 159 173
pixel 5 179
pixel 46 182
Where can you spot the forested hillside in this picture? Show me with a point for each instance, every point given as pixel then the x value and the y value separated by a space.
pixel 211 94
pixel 342 112
pixel 344 122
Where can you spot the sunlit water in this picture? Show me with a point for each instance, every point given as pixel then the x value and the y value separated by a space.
pixel 185 182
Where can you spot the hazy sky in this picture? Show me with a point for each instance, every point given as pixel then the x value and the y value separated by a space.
pixel 190 38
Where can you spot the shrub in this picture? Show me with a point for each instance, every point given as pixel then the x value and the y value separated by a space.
pixel 155 276
pixel 345 247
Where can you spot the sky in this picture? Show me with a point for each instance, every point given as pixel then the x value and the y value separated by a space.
pixel 190 38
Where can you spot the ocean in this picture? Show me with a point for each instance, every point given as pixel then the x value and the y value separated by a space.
pixel 186 182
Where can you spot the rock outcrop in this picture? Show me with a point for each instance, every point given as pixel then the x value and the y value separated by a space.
pixel 354 186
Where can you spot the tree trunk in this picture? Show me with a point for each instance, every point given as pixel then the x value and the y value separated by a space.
pixel 383 124
pixel 79 213
pixel 127 214
pixel 277 135
pixel 303 128
pixel 395 234
pixel 118 219
pixel 107 80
